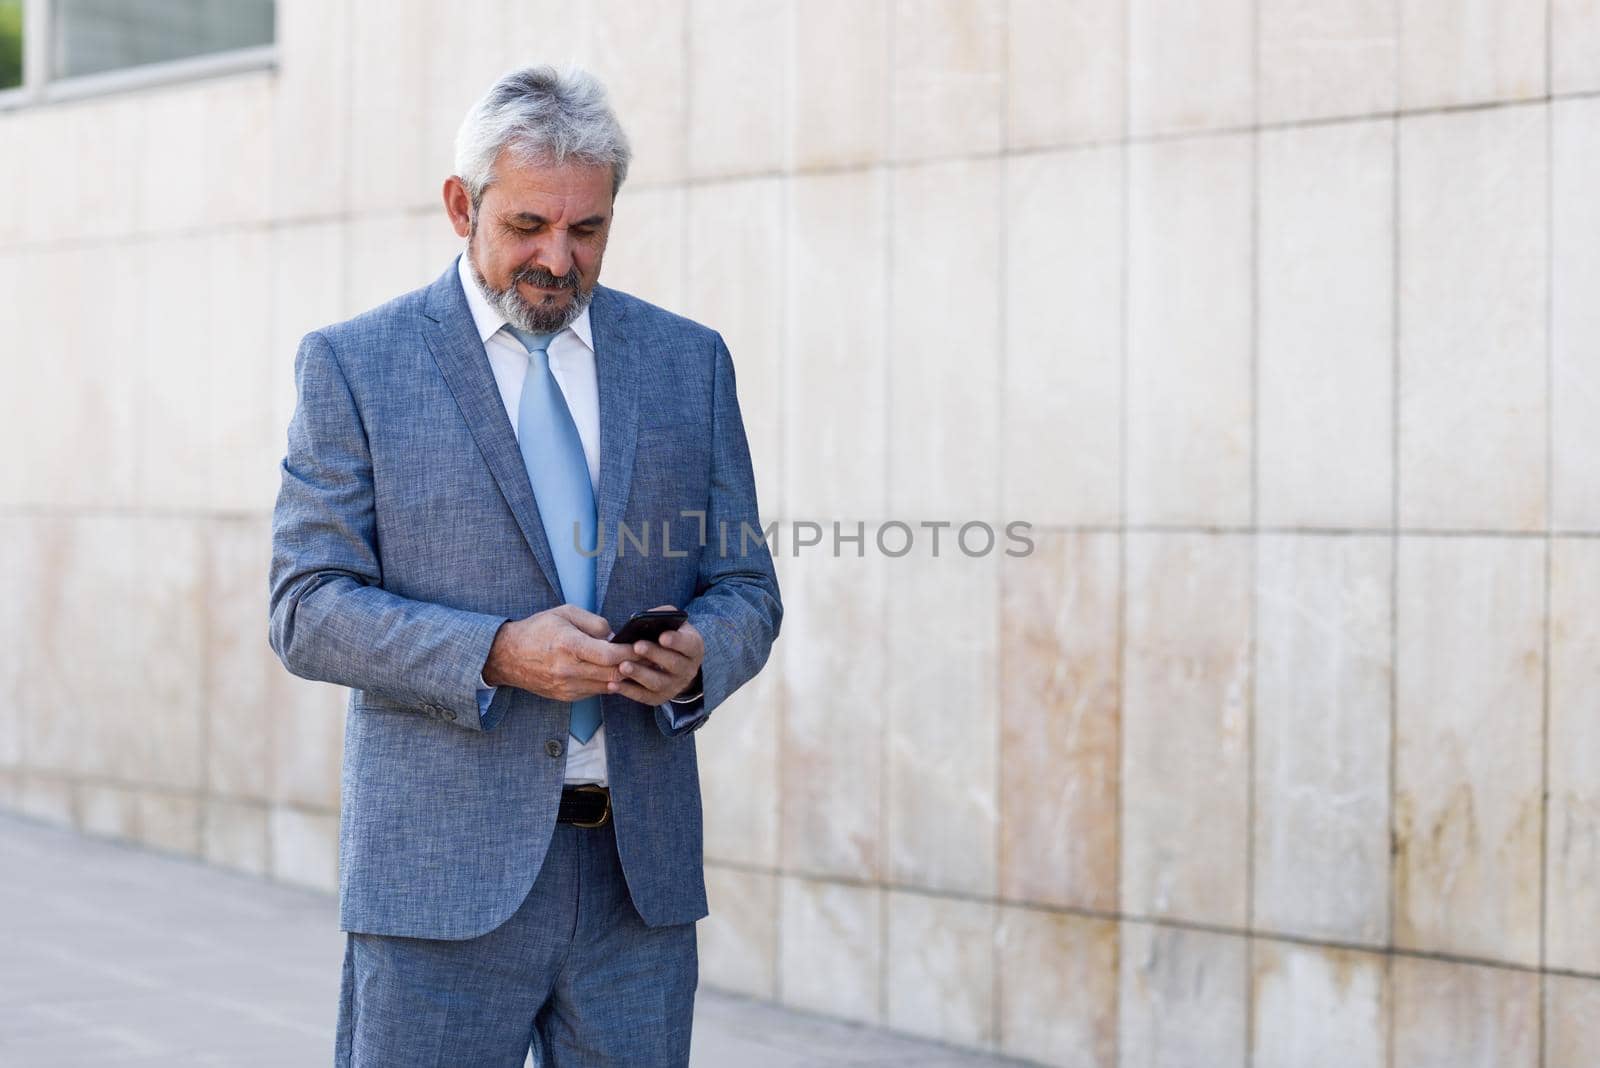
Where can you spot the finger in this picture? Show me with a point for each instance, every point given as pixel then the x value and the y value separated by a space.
pixel 686 640
pixel 583 671
pixel 596 651
pixel 645 675
pixel 665 659
pixel 665 608
pixel 579 690
pixel 593 625
pixel 638 693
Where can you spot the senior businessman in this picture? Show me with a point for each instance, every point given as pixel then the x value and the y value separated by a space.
pixel 484 479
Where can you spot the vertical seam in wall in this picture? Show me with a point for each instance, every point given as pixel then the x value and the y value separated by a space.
pixel 1125 183
pixel 1003 278
pixel 685 74
pixel 785 216
pixel 886 193
pixel 1255 535
pixel 682 212
pixel 1395 313
pixel 141 352
pixel 347 16
pixel 275 297
pixel 1549 525
pixel 210 534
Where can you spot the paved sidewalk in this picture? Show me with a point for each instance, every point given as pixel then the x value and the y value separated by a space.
pixel 111 955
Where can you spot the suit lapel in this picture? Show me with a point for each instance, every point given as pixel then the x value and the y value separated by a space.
pixel 614 358
pixel 462 360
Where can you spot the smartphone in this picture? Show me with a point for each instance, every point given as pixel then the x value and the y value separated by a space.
pixel 649 625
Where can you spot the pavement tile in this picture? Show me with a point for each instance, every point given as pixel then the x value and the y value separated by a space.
pixel 113 955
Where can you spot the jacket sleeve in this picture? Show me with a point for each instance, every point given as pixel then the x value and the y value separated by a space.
pixel 330 618
pixel 736 608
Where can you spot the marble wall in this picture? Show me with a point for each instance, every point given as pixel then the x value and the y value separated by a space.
pixel 1275 318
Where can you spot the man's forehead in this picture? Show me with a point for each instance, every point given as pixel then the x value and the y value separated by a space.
pixel 543 190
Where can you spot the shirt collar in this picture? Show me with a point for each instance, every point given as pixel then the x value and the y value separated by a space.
pixel 489 321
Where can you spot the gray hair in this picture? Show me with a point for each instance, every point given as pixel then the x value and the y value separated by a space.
pixel 541 115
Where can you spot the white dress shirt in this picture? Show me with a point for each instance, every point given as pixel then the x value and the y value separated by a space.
pixel 571 355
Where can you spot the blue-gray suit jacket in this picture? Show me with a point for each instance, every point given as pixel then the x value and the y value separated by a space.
pixel 405 534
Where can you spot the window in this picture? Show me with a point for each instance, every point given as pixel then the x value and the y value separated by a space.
pixel 54 49
pixel 92 36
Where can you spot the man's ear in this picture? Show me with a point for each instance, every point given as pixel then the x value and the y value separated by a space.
pixel 458 205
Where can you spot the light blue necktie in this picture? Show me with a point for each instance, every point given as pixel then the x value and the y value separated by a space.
pixel 553 454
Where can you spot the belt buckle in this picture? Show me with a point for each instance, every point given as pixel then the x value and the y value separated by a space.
pixel 594 788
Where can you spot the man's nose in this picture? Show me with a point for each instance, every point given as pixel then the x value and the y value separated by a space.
pixel 554 254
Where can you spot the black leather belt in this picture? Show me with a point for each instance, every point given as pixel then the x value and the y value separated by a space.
pixel 585 805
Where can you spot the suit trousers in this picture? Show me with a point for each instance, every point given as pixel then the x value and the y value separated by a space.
pixel 574 974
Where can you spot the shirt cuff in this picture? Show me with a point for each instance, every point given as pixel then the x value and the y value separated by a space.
pixel 485 697
pixel 679 717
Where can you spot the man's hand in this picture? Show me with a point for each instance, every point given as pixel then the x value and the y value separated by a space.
pixel 562 654
pixel 661 671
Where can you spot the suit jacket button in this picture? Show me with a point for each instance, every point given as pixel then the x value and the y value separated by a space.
pixel 553 747
pixel 448 713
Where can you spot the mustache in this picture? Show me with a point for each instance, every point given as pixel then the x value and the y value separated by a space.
pixel 538 276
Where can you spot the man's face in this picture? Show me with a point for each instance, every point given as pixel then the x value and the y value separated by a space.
pixel 537 238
